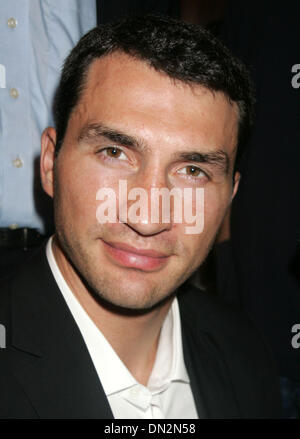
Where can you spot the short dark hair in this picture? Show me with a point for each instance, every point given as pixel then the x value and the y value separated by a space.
pixel 182 51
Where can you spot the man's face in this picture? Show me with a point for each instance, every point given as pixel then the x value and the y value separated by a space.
pixel 135 124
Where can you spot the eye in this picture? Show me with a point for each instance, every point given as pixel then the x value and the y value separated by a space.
pixel 192 171
pixel 113 152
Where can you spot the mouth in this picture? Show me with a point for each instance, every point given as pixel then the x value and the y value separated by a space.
pixel 131 257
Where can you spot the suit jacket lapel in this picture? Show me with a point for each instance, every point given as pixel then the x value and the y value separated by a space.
pixel 210 380
pixel 50 358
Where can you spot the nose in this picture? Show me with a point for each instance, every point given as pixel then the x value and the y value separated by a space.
pixel 145 206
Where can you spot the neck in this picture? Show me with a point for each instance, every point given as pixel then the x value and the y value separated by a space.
pixel 133 337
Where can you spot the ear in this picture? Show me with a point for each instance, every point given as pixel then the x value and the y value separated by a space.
pixel 47 160
pixel 237 177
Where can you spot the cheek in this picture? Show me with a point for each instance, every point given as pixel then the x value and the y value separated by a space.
pixel 196 246
pixel 216 202
pixel 78 182
pixel 207 211
pixel 192 250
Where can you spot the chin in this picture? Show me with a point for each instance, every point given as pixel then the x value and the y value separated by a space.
pixel 136 297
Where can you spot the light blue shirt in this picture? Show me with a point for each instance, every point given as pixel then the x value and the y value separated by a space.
pixel 35 37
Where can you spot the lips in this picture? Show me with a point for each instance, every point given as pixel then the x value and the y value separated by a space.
pixel 131 257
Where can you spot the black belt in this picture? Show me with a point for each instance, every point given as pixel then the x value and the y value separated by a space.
pixel 20 238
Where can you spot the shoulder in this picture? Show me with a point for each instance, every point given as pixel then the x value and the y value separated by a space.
pixel 204 312
pixel 230 327
pixel 23 288
pixel 238 344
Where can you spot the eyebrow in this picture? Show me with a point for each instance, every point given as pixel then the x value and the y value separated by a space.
pixel 93 132
pixel 217 158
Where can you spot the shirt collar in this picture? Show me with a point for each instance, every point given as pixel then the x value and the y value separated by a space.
pixel 169 363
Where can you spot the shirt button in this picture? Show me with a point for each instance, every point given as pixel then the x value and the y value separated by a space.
pixel 12 22
pixel 14 93
pixel 18 163
pixel 13 226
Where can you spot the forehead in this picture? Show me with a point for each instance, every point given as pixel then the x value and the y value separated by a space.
pixel 126 93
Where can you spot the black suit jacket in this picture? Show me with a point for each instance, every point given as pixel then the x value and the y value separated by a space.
pixel 46 370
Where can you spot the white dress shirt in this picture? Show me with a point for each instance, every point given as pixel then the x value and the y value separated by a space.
pixel 168 393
